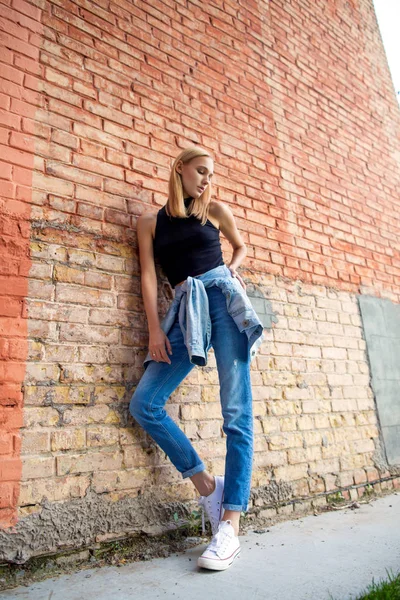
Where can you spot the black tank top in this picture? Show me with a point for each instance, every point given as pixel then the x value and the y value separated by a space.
pixel 185 247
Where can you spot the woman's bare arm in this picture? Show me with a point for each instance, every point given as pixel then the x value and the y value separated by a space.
pixel 148 271
pixel 227 225
pixel 157 338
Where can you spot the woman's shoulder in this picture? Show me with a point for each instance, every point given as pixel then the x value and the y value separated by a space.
pixel 217 208
pixel 149 221
pixel 216 212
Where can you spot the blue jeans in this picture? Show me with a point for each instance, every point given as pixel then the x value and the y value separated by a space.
pixel 231 349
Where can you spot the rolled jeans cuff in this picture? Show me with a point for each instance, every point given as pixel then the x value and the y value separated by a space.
pixel 237 507
pixel 196 469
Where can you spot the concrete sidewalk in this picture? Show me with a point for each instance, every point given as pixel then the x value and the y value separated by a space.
pixel 335 554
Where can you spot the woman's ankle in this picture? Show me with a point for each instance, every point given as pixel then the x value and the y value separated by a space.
pixel 213 486
pixel 233 518
pixel 204 483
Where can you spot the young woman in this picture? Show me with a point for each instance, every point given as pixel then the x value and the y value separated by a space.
pixel 210 309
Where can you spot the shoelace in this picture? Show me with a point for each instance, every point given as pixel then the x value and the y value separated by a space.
pixel 204 502
pixel 203 525
pixel 220 539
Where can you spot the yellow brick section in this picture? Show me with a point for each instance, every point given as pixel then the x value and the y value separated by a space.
pixel 315 425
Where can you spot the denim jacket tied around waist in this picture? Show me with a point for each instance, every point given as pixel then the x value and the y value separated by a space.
pixel 191 304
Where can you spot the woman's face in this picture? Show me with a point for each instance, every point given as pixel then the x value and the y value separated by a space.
pixel 196 175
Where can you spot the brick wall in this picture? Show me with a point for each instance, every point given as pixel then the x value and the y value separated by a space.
pixel 20 39
pixel 310 382
pixel 97 98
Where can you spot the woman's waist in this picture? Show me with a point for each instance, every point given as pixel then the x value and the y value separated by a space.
pixel 220 271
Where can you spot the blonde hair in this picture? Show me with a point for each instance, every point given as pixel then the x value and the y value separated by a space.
pixel 175 206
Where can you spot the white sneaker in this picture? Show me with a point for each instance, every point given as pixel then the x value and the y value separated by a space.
pixel 212 505
pixel 223 550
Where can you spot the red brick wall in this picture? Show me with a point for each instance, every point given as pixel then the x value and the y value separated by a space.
pixel 20 39
pixel 295 101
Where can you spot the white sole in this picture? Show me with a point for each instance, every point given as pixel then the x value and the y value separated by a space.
pixel 215 564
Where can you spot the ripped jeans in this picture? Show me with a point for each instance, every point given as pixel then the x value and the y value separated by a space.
pixel 160 379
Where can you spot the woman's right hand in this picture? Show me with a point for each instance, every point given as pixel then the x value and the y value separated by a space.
pixel 158 346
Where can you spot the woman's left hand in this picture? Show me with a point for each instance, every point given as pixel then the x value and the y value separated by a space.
pixel 236 274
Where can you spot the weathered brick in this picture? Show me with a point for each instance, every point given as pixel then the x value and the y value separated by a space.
pixel 68 275
pixel 58 353
pixel 200 411
pixel 42 372
pixel 102 436
pixel 291 472
pixel 104 481
pixel 72 373
pixel 35 442
pixel 78 415
pixel 68 439
pixel 324 466
pixel 55 489
pixel 70 293
pixel 38 466
pixel 100 316
pixel 73 332
pixel 209 429
pixel 58 312
pixel 43 416
pixel 92 354
pixel 285 440
pixel 90 462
